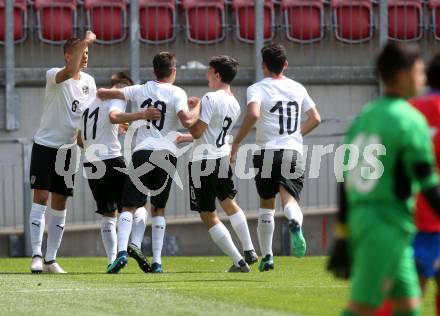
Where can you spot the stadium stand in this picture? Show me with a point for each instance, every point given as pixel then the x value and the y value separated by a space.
pixel 434 6
pixel 107 19
pixel 205 20
pixel 157 20
pixel 244 11
pixel 303 20
pixel 405 20
pixel 20 21
pixel 352 20
pixel 56 20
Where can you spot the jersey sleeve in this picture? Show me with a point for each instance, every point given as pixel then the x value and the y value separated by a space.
pixel 307 103
pixel 253 94
pixel 418 154
pixel 206 110
pixel 51 75
pixel 180 100
pixel 117 105
pixel 131 92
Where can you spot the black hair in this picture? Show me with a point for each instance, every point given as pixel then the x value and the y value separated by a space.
pixel 433 72
pixel 163 64
pixel 225 66
pixel 395 57
pixel 274 57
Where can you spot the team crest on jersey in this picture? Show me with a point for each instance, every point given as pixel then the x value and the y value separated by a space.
pixel 33 178
pixel 85 89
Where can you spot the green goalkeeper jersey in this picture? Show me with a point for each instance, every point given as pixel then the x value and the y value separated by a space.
pixel 389 147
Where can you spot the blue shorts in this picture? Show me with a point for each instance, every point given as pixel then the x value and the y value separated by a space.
pixel 427 254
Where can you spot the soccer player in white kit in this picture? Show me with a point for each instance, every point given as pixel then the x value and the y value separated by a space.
pixel 210 174
pixel 275 104
pixel 103 162
pixel 68 90
pixel 155 146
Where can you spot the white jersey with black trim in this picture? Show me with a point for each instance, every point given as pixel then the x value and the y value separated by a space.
pixel 170 100
pixel 220 111
pixel 99 135
pixel 64 104
pixel 282 100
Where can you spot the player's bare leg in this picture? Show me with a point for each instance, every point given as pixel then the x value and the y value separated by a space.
pixel 37 223
pixel 56 220
pixel 240 226
pixel 293 213
pixel 222 238
pixel 158 226
pixel 265 230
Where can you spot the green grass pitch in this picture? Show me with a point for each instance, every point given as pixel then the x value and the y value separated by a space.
pixel 190 286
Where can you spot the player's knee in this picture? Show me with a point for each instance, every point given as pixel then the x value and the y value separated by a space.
pixel 109 214
pixel 41 197
pixel 157 212
pixel 58 201
pixel 209 218
pixel 406 306
pixel 269 204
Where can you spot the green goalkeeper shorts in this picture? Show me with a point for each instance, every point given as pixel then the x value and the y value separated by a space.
pixel 382 265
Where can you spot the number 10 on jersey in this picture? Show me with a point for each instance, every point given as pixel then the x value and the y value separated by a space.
pixel 279 107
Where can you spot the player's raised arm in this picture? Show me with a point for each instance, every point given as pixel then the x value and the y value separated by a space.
pixel 189 117
pixel 117 117
pixel 75 57
pixel 251 117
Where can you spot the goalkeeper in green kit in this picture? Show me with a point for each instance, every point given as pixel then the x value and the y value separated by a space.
pixel 389 160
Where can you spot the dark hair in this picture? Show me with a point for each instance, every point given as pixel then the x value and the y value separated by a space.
pixel 163 64
pixel 71 43
pixel 433 72
pixel 274 57
pixel 121 78
pixel 225 66
pixel 395 57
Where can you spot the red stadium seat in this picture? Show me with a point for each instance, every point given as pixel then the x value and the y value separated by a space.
pixel 205 20
pixel 244 11
pixel 157 20
pixel 434 6
pixel 56 20
pixel 405 20
pixel 303 20
pixel 20 20
pixel 352 20
pixel 107 19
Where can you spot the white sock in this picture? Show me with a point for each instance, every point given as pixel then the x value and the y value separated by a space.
pixel 139 223
pixel 158 226
pixel 265 229
pixel 125 222
pixel 240 226
pixel 36 222
pixel 220 235
pixel 293 212
pixel 109 238
pixel 55 230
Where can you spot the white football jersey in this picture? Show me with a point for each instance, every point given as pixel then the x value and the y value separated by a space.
pixel 282 100
pixel 97 130
pixel 170 100
pixel 220 112
pixel 63 107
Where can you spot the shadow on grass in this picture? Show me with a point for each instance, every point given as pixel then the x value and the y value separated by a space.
pixel 192 281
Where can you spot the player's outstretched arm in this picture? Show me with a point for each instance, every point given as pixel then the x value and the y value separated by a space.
pixel 74 64
pixel 104 93
pixel 251 117
pixel 312 122
pixel 189 118
pixel 117 117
